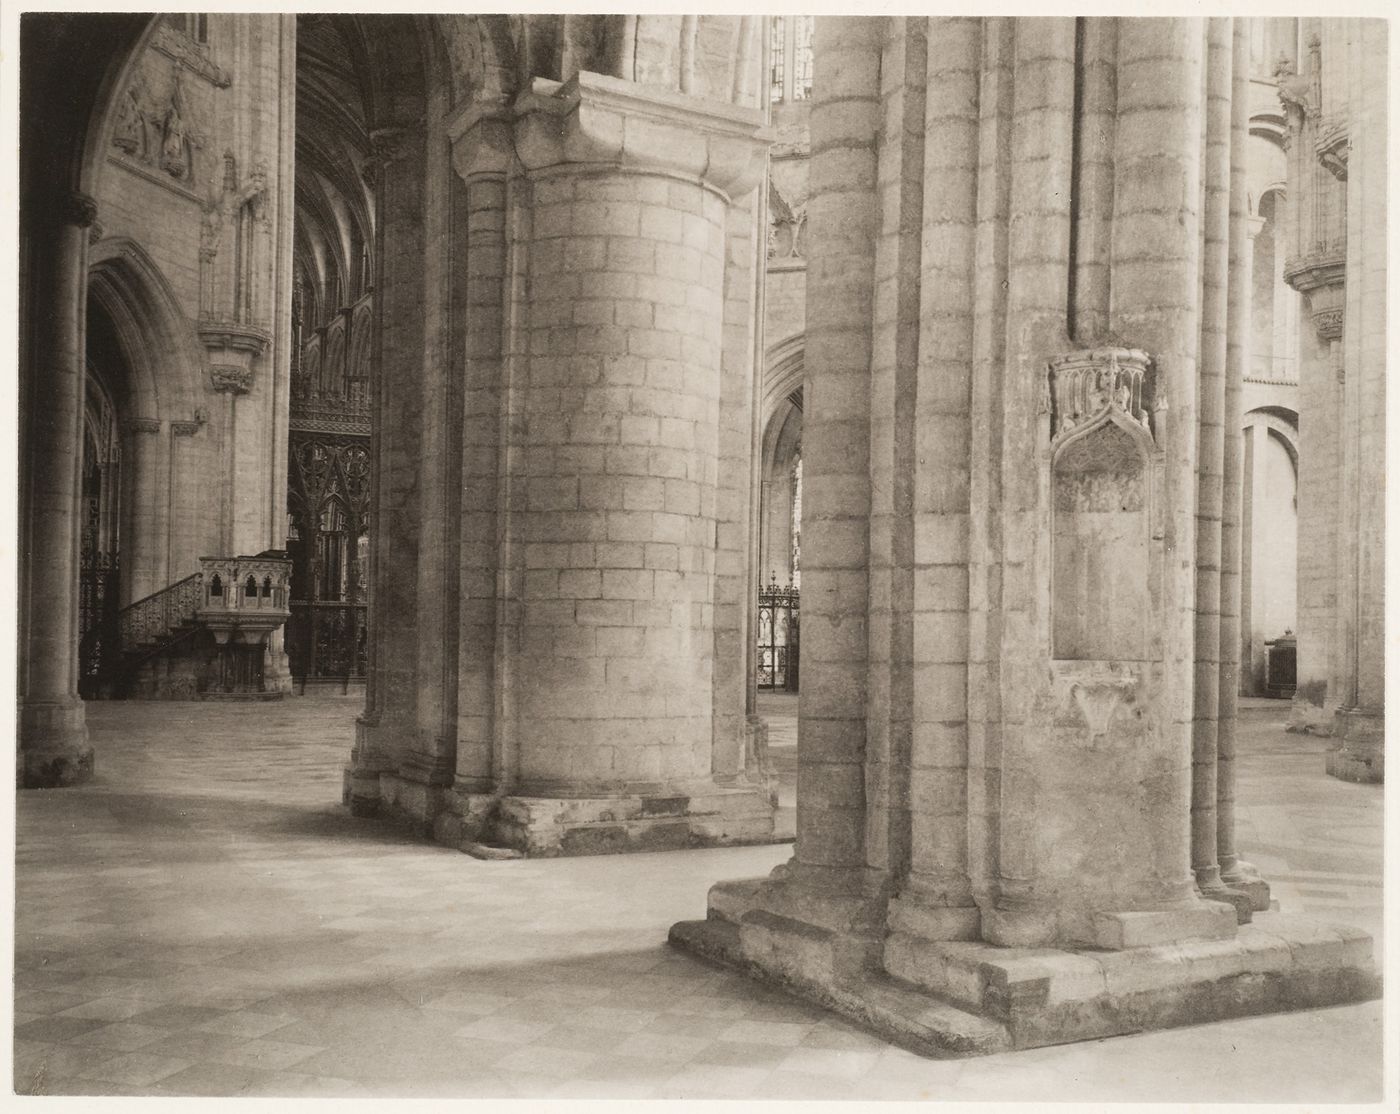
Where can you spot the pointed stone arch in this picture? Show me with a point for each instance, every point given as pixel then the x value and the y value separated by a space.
pixel 159 343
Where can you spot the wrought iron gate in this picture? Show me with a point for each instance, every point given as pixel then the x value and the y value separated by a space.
pixel 779 629
pixel 97 610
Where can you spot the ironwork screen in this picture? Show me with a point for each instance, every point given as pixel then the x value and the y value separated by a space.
pixel 779 628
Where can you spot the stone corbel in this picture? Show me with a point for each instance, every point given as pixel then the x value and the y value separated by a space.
pixel 234 337
pixel 1321 278
pixel 1333 146
pixel 598 120
pixel 142 425
pixel 232 348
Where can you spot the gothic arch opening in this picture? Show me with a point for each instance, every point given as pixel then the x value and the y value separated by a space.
pixel 778 551
pixel 1269 557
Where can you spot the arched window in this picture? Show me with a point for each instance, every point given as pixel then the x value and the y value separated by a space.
pixel 777 37
pixel 250 588
pixel 267 587
pixel 802 58
pixel 790 58
pixel 216 586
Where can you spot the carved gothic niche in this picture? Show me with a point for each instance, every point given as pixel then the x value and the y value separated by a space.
pixel 1100 456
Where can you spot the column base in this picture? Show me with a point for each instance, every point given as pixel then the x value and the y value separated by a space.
pixel 708 815
pixel 1037 926
pixel 277 670
pixel 962 998
pixel 1361 756
pixel 53 750
pixel 1245 878
pixel 1308 713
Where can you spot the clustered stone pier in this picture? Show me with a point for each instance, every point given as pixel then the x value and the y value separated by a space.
pixel 597 685
pixel 1016 738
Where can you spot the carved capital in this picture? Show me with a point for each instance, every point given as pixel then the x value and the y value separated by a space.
pixel 142 425
pixel 482 142
pixel 386 146
pixel 185 429
pixel 76 208
pixel 1087 385
pixel 593 120
pixel 231 378
pixel 1328 322
pixel 1316 271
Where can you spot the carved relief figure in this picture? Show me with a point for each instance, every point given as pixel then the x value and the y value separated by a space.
pixel 130 134
pixel 173 157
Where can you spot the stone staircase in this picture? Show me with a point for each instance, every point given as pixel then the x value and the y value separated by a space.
pixel 147 628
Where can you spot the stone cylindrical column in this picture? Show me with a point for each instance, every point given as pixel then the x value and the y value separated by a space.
pixel 1037 293
pixel 897 403
pixel 1360 657
pixel 995 103
pixel 386 730
pixel 933 454
pixel 1237 875
pixel 482 155
pixel 53 742
pixel 1215 278
pixel 1156 302
pixel 613 492
pixel 843 219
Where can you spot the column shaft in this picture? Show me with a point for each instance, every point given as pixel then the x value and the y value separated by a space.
pixel 482 449
pixel 1214 344
pixel 1037 293
pixel 53 742
pixel 843 221
pixel 894 391
pixel 937 463
pixel 621 408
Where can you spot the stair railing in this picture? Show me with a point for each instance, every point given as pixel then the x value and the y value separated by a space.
pixel 155 618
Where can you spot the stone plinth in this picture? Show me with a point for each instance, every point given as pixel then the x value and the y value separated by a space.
pixel 967 998
pixel 1360 755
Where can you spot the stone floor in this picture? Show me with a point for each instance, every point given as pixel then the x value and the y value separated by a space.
pixel 204 919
